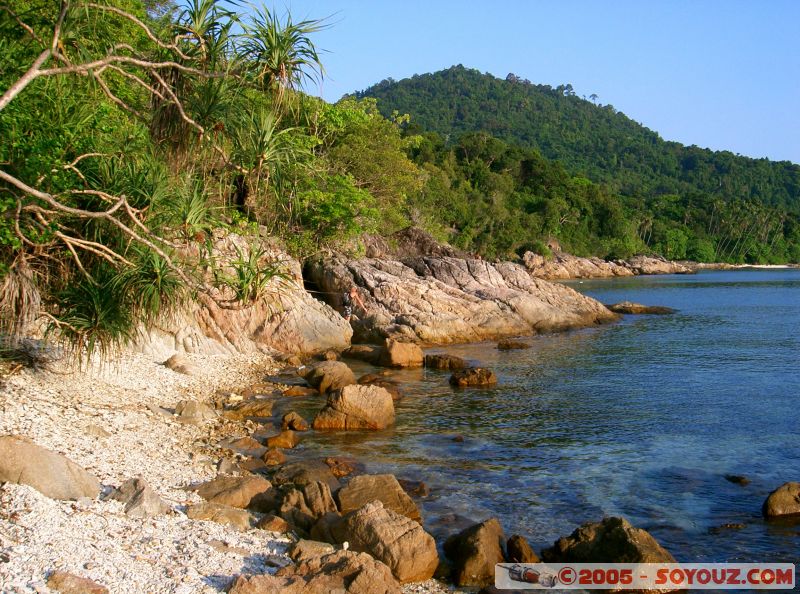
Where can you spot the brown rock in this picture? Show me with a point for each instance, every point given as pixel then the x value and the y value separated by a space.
pixel 68 583
pixel 272 523
pixel 474 553
pixel 255 407
pixel 253 465
pixel 234 491
pixel 737 479
pixel 246 446
pixel 304 506
pixel 330 356
pixel 519 551
pixel 414 488
pixel 356 407
pixel 294 421
pixel 179 363
pixel 285 439
pixel 25 463
pixel 377 487
pixel 508 345
pixel 326 527
pixel 191 411
pixel 394 539
pixel 783 501
pixel 343 572
pixel 222 514
pixel 475 376
pixel 628 307
pixel 305 549
pixel 259 389
pixel 305 472
pixel 445 362
pixel 274 457
pixel 300 391
pixel 341 466
pixel 364 352
pixel 329 376
pixel 401 354
pixel 387 384
pixel 613 540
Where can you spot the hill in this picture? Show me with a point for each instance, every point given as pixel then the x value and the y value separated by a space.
pixel 587 138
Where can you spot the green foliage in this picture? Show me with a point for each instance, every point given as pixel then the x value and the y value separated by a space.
pixel 332 209
pixel 253 275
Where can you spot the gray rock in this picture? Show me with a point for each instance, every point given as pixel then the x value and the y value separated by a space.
pixel 139 498
pixel 23 462
pixel 222 514
pixel 191 411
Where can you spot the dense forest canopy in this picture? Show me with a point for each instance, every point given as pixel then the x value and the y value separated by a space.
pixel 135 131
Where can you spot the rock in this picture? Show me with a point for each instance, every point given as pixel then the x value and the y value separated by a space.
pixel 329 356
pixel 255 407
pixel 25 463
pixel 272 523
pixel 227 466
pixel 364 352
pixel 304 506
pixel 234 491
pixel 342 466
pixel 401 354
pixel 191 411
pixel 439 299
pixel 293 360
pixel 180 364
pixel 294 421
pixel 290 319
pixel 508 345
pixel 356 407
pixel 458 438
pixel 96 431
pixel 253 465
pixel 783 501
pixel 475 376
pixel 339 572
pixel 737 479
pixel 612 540
pixel 518 550
pixel 326 527
pixel 329 376
pixel 256 390
pixel 300 391
pixel 69 583
pixel 445 362
pixel 628 307
pixel 383 382
pixel 727 526
pixel 562 265
pixel 222 514
pixel 305 472
pixel 377 487
pixel 246 446
pixel 274 457
pixel 474 553
pixel 654 265
pixel 285 439
pixel 303 550
pixel 398 541
pixel 139 498
pixel 414 488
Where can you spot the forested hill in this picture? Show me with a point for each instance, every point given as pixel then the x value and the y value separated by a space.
pixel 586 137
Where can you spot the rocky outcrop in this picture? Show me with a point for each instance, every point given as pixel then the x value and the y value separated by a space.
pixel 288 319
pixel 344 572
pixel 377 487
pixel 511 345
pixel 613 540
pixel 328 376
pixel 474 553
pixel 783 501
pixel 473 376
pixel 628 307
pixel 446 299
pixel 562 266
pixel 25 463
pixel 655 265
pixel 397 541
pixel 356 407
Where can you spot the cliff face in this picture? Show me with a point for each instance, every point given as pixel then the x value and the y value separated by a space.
pixel 446 299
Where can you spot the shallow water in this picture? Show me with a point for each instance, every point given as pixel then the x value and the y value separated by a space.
pixel 641 419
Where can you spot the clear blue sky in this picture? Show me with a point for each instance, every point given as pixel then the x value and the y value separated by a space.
pixel 722 74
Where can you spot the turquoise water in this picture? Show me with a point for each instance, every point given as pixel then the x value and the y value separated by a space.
pixel 641 419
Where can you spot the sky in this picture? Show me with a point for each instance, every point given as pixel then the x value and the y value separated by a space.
pixel 721 74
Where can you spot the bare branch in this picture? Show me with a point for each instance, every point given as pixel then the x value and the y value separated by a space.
pixel 114 99
pixel 26 79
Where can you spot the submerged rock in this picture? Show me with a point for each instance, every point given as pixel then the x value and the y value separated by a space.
pixel 783 501
pixel 445 362
pixel 474 376
pixel 628 307
pixel 508 345
pixel 25 463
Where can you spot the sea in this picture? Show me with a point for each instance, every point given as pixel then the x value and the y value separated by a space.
pixel 643 419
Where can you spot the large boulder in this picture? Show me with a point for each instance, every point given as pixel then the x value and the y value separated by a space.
pixel 328 376
pixel 25 463
pixel 305 472
pixel 303 506
pixel 436 298
pixel 783 501
pixel 343 572
pixel 289 318
pixel 612 540
pixel 401 354
pixel 235 491
pixel 474 553
pixel 356 407
pixel 398 541
pixel 377 487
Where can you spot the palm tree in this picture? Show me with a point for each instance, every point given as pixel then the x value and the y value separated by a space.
pixel 280 52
